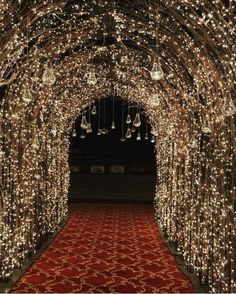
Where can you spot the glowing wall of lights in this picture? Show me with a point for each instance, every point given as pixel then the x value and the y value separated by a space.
pixel 195 193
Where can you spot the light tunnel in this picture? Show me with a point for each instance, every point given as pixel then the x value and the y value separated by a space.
pixel 49 52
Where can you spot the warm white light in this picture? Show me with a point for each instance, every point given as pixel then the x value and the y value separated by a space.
pixel 48 76
pixel 154 100
pixel 229 108
pixel 27 96
pixel 194 192
pixel 92 79
pixel 137 120
pixel 156 71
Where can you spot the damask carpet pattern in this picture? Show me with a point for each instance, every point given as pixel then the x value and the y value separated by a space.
pixel 106 248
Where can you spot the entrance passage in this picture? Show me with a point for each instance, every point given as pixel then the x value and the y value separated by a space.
pixel 106 163
pixel 106 248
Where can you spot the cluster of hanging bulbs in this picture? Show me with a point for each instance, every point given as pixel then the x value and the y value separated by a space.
pixel 132 126
pixel 228 110
pixel 48 78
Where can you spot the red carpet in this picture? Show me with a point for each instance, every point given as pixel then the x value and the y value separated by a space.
pixel 106 248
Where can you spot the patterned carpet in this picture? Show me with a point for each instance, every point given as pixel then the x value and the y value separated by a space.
pixel 106 248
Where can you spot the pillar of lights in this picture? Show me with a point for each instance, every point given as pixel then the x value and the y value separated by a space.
pixel 176 60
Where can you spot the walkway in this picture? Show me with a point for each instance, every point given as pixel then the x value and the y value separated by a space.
pixel 106 248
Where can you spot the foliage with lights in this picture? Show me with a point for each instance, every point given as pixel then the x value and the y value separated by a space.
pixel 174 58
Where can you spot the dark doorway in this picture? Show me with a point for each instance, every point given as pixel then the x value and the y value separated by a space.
pixel 104 167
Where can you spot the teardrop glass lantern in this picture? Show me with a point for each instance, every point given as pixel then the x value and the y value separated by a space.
pixel 138 138
pixel 153 139
pixel 113 126
pixel 49 77
pixel 99 132
pixel 154 131
pixel 156 71
pixel 74 133
pixel 154 100
pixel 94 110
pixel 128 133
pixel 82 136
pixel 206 127
pixel 128 119
pixel 92 79
pixel 229 108
pixel 27 96
pixel 89 129
pixel 104 131
pixel 133 130
pixel 137 120
pixel 84 123
pixel 122 139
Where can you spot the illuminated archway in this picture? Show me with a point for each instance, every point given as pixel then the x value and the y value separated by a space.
pixel 194 120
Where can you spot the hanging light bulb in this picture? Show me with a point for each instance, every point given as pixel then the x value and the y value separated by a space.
pixel 82 135
pixel 48 76
pixel 27 96
pixel 113 126
pixel 137 120
pixel 122 139
pixel 146 130
pixel 206 127
pixel 74 133
pixel 154 100
pixel 138 138
pixel 128 134
pixel 154 131
pixel 104 131
pixel 128 119
pixel 133 130
pixel 84 123
pixel 99 132
pixel 91 79
pixel 229 108
pixel 156 72
pixel 94 110
pixel 89 129
pixel 153 139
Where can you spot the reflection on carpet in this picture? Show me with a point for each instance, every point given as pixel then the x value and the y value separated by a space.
pixel 106 248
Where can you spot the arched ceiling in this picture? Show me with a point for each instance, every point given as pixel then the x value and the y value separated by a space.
pixel 194 41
